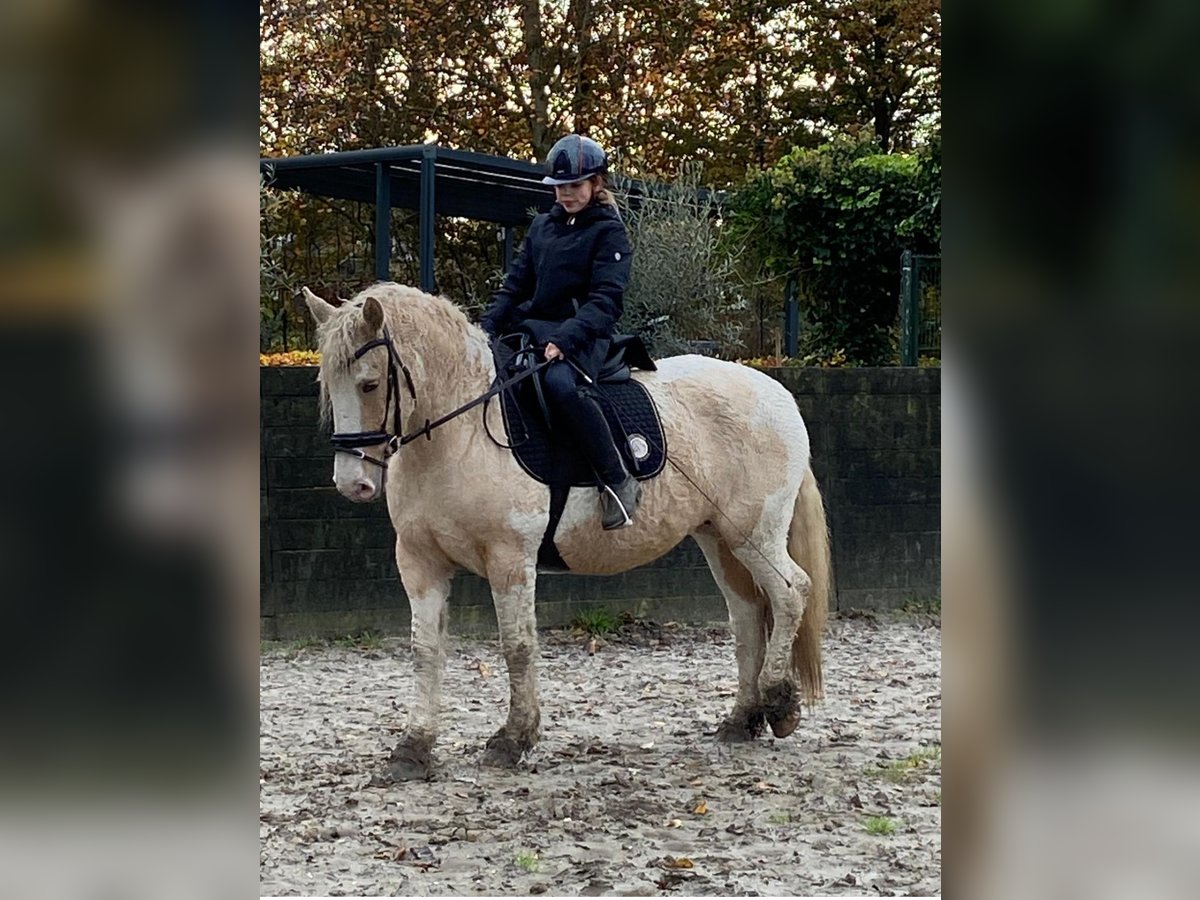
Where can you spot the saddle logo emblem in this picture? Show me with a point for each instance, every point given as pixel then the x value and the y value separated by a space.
pixel 639 447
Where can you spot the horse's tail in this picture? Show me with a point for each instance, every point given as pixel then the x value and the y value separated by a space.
pixel 808 545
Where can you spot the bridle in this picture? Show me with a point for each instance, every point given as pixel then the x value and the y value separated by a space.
pixel 352 442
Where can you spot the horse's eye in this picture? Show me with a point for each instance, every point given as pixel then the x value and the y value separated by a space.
pixel 369 386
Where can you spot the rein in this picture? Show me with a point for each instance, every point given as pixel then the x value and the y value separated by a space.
pixel 352 441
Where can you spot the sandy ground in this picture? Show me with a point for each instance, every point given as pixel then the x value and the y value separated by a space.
pixel 628 792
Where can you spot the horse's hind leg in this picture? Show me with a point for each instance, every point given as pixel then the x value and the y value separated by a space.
pixel 513 581
pixel 788 587
pixel 748 622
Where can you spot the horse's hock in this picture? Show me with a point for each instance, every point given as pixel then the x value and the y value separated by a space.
pixel 328 566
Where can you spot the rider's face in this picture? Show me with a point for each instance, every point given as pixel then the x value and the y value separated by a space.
pixel 575 197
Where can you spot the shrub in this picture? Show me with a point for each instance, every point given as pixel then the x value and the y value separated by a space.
pixel 680 270
pixel 836 219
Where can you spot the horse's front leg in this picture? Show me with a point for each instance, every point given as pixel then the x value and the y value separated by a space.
pixel 427 583
pixel 513 580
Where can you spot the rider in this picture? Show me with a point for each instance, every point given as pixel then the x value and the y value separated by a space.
pixel 566 290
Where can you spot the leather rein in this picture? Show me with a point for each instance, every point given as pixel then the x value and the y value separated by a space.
pixel 352 442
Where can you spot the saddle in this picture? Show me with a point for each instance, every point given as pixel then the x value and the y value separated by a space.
pixel 547 454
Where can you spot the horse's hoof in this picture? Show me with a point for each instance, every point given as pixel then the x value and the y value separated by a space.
pixel 410 761
pixel 781 728
pixel 741 728
pixel 782 708
pixel 503 751
pixel 398 770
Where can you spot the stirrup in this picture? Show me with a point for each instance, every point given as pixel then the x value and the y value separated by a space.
pixel 628 518
pixel 626 511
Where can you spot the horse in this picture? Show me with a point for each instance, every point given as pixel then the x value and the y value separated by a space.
pixel 740 483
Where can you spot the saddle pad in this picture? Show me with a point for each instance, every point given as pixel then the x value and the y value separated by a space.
pixel 631 416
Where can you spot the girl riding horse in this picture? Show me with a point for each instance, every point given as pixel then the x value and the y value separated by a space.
pixel 566 291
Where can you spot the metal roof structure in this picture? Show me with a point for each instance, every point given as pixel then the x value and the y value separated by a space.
pixel 434 180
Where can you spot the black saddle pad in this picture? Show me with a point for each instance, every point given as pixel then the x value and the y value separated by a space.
pixel 552 457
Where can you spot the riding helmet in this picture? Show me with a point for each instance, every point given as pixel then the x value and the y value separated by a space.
pixel 574 158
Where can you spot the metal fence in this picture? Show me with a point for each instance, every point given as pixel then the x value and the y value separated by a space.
pixel 328 246
pixel 920 307
pixel 323 244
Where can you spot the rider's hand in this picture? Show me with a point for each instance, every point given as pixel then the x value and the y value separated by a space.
pixel 552 352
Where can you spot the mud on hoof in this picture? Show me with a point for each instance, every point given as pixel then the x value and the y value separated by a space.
pixel 504 751
pixel 782 708
pixel 743 726
pixel 412 760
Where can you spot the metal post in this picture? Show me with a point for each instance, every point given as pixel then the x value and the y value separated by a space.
pixel 508 248
pixel 909 312
pixel 791 318
pixel 383 221
pixel 284 320
pixel 762 324
pixel 428 160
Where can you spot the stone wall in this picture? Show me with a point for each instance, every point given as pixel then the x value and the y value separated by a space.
pixel 328 569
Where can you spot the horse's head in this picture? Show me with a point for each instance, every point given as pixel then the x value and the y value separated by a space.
pixel 362 389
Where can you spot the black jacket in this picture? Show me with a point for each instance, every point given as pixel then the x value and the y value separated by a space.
pixel 567 286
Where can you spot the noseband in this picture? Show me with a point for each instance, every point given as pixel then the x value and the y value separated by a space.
pixel 352 442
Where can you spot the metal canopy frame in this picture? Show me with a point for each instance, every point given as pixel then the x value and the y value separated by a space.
pixel 434 180
pixel 437 181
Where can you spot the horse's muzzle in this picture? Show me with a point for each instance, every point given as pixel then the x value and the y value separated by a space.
pixel 360 490
pixel 355 479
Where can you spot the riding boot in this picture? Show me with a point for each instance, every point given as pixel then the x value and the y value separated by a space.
pixel 620 491
pixel 582 417
pixel 620 501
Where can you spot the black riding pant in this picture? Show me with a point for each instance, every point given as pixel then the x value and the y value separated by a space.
pixel 582 419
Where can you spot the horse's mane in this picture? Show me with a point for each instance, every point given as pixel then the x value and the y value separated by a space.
pixel 430 332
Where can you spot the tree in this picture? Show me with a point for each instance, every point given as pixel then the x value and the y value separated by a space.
pixel 875 63
pixel 733 85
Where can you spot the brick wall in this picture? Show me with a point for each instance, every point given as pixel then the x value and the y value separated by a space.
pixel 328 569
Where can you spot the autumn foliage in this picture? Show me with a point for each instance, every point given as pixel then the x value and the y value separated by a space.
pixel 738 88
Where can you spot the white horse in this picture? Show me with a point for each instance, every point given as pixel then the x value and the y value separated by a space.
pixel 458 501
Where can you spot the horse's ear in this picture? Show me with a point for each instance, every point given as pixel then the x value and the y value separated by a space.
pixel 373 314
pixel 319 308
